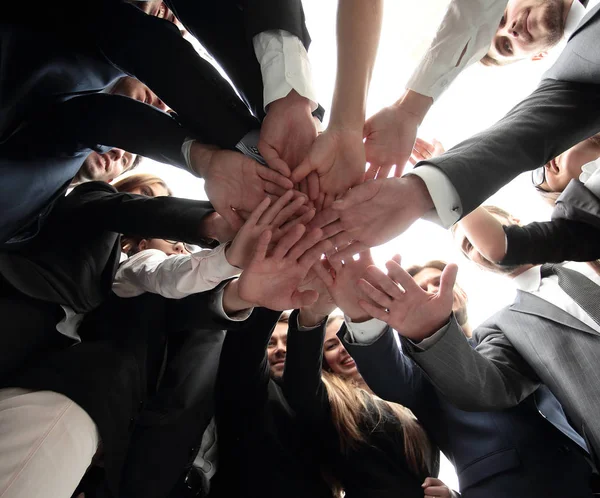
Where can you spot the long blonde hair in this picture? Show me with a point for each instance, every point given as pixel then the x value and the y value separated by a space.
pixel 353 408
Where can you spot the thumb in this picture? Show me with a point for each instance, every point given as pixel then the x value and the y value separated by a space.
pixel 302 170
pixel 232 217
pixel 272 158
pixel 305 298
pixel 447 282
pixel 357 195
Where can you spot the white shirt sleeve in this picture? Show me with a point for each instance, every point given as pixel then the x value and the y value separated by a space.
pixel 284 65
pixel 366 332
pixel 463 38
pixel 173 277
pixel 448 208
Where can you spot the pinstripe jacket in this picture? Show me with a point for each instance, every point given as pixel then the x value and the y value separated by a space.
pixel 525 344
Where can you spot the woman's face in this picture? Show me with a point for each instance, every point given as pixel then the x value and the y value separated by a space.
pixel 567 166
pixel 153 190
pixel 169 247
pixel 339 360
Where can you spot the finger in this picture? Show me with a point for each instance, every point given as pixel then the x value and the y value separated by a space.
pixel 411 160
pixel 278 206
pixel 402 277
pixel 324 218
pixel 310 238
pixel 436 491
pixel 258 212
pixel 272 158
pixel 312 181
pixel 431 481
pixel 262 245
pixel 329 200
pixel 424 145
pixel 341 240
pixel 371 172
pixel 304 298
pixel 375 295
pixel 314 254
pixel 272 176
pixel 288 241
pixel 301 220
pixel 383 282
pixel 288 212
pixel 357 195
pixel 399 170
pixel 384 171
pixel 274 189
pixel 347 253
pixel 366 258
pixel 447 282
pixel 397 259
pixel 323 273
pixel 232 217
pixel 332 229
pixel 302 170
pixel 374 311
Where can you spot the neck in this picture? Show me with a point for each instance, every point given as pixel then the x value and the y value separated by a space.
pixel 567 8
pixel 518 271
pixel 467 330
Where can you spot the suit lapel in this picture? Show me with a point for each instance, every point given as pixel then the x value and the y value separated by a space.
pixel 585 20
pixel 533 305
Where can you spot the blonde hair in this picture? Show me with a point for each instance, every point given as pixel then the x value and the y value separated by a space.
pixel 354 408
pixel 140 180
pixel 130 243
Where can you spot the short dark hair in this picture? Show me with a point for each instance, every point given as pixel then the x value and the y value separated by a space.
pixel 136 162
pixel 435 263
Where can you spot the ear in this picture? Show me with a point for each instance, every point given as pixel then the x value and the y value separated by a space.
pixel 515 220
pixel 539 56
pixel 143 245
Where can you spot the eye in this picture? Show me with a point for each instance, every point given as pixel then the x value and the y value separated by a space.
pixel 503 21
pixel 507 47
pixel 147 192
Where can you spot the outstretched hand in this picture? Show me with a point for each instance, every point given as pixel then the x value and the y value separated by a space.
pixel 287 133
pixel 424 150
pixel 272 280
pixel 338 158
pixel 412 311
pixel 235 183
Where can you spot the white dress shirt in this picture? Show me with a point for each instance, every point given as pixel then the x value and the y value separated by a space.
pixel 435 70
pixel 463 38
pixel 174 277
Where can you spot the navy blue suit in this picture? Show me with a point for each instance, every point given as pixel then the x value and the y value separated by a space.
pixel 529 450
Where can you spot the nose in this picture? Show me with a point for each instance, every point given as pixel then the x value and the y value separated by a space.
pixel 433 288
pixel 158 103
pixel 115 154
pixel 179 248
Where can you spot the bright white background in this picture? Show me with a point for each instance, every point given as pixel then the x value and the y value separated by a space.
pixel 477 99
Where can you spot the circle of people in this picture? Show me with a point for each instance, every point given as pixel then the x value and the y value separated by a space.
pixel 155 346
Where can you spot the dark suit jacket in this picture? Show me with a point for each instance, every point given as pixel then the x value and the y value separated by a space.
pixel 521 346
pixel 263 451
pixel 517 452
pixel 560 113
pixel 376 467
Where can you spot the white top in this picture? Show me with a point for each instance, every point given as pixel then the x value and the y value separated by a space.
pixel 448 207
pixel 174 277
pixel 284 65
pixel 548 289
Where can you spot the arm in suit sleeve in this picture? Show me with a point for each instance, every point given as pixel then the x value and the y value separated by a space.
pixel 390 374
pixel 171 218
pixel 556 116
pixel 243 376
pixel 551 242
pixel 493 376
pixel 302 385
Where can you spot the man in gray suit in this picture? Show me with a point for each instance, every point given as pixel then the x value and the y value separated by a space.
pixel 562 111
pixel 549 335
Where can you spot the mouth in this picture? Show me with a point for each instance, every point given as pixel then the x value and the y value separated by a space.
pixel 552 166
pixel 348 362
pixel 105 162
pixel 526 25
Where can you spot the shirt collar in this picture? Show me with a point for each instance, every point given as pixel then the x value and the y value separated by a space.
pixel 576 14
pixel 530 280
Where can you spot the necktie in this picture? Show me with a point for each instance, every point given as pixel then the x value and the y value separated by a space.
pixel 584 2
pixel 580 288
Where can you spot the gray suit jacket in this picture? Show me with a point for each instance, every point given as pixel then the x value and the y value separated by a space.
pixel 561 112
pixel 521 346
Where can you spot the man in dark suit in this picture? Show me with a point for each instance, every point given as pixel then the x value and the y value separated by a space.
pixel 516 452
pixel 561 112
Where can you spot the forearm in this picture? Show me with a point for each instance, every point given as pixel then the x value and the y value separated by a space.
pixel 414 104
pixel 486 234
pixel 358 30
pixel 232 302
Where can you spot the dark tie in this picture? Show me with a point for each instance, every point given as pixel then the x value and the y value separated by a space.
pixel 584 2
pixel 580 288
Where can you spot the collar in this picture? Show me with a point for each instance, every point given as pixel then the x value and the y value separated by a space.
pixel 576 14
pixel 530 280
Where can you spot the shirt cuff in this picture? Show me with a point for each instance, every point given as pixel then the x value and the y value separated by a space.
pixel 186 150
pixel 366 332
pixel 220 268
pixel 306 329
pixel 219 310
pixel 430 341
pixel 284 65
pixel 448 208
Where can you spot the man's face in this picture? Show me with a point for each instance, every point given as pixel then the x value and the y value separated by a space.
pixel 169 247
pixel 135 89
pixel 104 167
pixel 527 29
pixel 276 350
pixel 158 8
pixel 429 280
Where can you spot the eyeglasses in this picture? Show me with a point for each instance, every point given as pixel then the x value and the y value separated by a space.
pixel 189 248
pixel 538 177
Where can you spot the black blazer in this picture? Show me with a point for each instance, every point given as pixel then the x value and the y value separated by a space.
pixel 517 452
pixel 74 258
pixel 263 452
pixel 376 467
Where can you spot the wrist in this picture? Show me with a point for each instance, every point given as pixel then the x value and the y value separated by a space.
pixel 232 302
pixel 292 100
pixel 201 157
pixel 308 318
pixel 231 256
pixel 414 104
pixel 421 201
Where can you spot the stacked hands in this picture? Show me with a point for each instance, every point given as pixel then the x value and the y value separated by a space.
pixel 287 265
